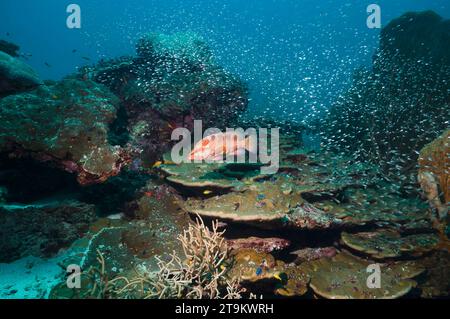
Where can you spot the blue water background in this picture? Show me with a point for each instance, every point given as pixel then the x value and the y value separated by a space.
pixel 296 55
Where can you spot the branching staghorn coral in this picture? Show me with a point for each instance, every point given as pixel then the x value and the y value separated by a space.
pixel 206 256
pixel 101 286
pixel 200 273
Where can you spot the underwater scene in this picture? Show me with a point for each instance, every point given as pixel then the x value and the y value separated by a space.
pixel 224 149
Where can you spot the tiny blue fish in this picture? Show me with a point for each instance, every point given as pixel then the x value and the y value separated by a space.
pixel 259 271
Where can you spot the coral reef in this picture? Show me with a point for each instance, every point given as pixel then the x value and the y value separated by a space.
pixel 309 254
pixel 437 281
pixel 192 177
pixel 265 245
pixel 250 265
pixel 385 243
pixel 152 250
pixel 172 81
pixel 378 204
pixel 295 284
pixel 86 179
pixel 76 139
pixel 345 277
pixel 200 273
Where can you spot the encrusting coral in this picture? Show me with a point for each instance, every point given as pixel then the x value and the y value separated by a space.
pixel 76 139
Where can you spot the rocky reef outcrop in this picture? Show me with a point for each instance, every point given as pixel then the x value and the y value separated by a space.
pixel 15 75
pixel 401 103
pixel 42 230
pixel 434 175
pixel 66 124
pixel 172 81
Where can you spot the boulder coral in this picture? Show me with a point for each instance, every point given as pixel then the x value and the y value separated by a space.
pixel 66 124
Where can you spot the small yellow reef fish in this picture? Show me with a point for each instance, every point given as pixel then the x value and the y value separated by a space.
pixel 207 192
pixel 277 276
pixel 157 164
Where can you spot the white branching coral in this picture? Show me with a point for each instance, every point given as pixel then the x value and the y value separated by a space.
pixel 200 273
pixel 206 255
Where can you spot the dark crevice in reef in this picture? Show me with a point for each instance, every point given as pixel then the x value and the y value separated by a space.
pixel 28 181
pixel 112 196
pixel 299 239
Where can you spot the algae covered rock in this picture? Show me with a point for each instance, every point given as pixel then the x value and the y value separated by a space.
pixel 15 75
pixel 42 230
pixel 415 36
pixel 186 79
pixel 294 282
pixel 65 123
pixel 434 175
pixel 264 245
pixel 186 49
pixel 251 266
